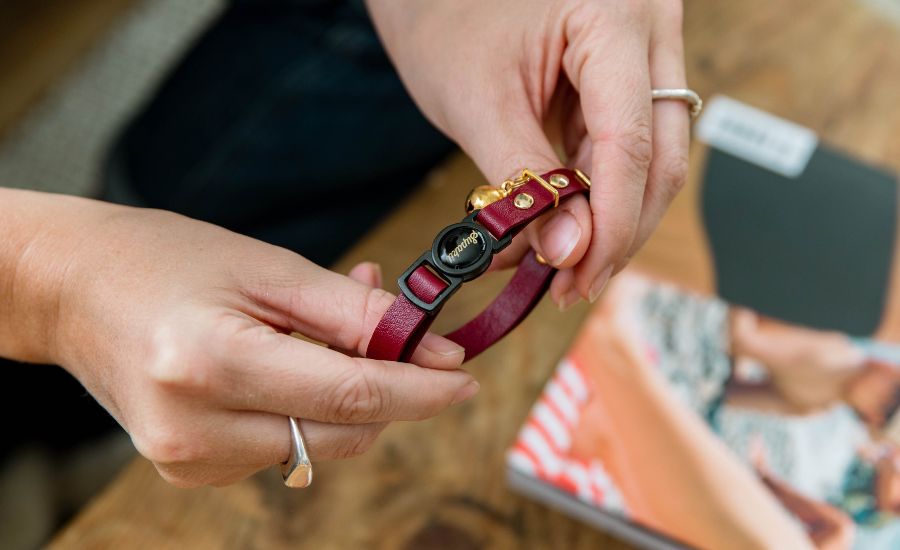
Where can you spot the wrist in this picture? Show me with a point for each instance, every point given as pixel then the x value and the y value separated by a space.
pixel 43 235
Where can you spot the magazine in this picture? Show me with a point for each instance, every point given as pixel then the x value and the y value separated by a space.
pixel 765 415
pixel 676 419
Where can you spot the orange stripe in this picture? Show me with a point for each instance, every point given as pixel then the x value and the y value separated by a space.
pixel 559 414
pixel 533 422
pixel 538 466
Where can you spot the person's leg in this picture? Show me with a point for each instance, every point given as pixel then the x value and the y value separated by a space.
pixel 286 122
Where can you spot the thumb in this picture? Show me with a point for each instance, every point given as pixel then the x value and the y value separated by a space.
pixel 502 149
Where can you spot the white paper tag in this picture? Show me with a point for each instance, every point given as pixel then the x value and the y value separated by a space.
pixel 756 136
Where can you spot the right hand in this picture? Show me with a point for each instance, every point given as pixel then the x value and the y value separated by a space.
pixel 181 330
pixel 492 75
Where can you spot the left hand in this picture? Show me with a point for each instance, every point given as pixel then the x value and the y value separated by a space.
pixel 494 74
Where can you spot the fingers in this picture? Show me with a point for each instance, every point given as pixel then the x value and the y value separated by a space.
pixel 671 123
pixel 515 140
pixel 262 370
pixel 562 289
pixel 271 438
pixel 343 312
pixel 434 351
pixel 563 235
pixel 610 71
pixel 367 273
pixel 235 445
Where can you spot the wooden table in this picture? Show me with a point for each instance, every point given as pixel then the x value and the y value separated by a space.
pixel 831 65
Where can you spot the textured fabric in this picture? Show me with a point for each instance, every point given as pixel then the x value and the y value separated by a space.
pixel 287 123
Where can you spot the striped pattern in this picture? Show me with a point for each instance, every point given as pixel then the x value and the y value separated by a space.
pixel 542 448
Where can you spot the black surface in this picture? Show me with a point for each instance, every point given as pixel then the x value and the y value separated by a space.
pixel 815 250
pixel 461 247
pixel 46 406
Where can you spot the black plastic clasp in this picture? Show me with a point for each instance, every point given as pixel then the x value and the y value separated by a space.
pixel 461 252
pixel 453 285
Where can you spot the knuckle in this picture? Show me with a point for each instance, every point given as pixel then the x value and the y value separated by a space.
pixel 636 143
pixel 673 173
pixel 175 363
pixel 356 399
pixel 633 142
pixel 165 445
pixel 358 444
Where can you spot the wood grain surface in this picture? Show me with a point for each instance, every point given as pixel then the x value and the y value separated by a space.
pixel 832 65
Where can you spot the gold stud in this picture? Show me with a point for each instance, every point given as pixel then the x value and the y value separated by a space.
pixel 523 201
pixel 559 181
pixel 540 259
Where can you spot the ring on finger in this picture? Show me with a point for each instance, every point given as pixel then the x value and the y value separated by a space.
pixel 297 470
pixel 687 95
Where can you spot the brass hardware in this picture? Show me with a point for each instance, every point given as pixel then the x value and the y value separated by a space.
pixel 526 174
pixel 523 201
pixel 485 195
pixel 510 185
pixel 482 196
pixel 540 259
pixel 585 179
pixel 559 181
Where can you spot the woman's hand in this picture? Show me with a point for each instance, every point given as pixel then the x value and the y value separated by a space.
pixel 181 330
pixel 494 75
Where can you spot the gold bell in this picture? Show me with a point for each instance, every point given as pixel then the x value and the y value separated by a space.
pixel 482 196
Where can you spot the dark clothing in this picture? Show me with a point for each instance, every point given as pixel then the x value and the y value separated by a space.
pixel 287 123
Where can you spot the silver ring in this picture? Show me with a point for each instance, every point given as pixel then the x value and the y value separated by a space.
pixel 681 94
pixel 297 471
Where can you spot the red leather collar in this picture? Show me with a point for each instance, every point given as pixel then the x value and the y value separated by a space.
pixel 462 252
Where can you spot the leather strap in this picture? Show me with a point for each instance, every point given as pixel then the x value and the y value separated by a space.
pixel 503 217
pixel 508 309
pixel 404 324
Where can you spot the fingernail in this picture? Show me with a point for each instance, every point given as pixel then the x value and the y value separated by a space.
pixel 442 346
pixel 559 237
pixel 599 284
pixel 569 299
pixel 467 392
